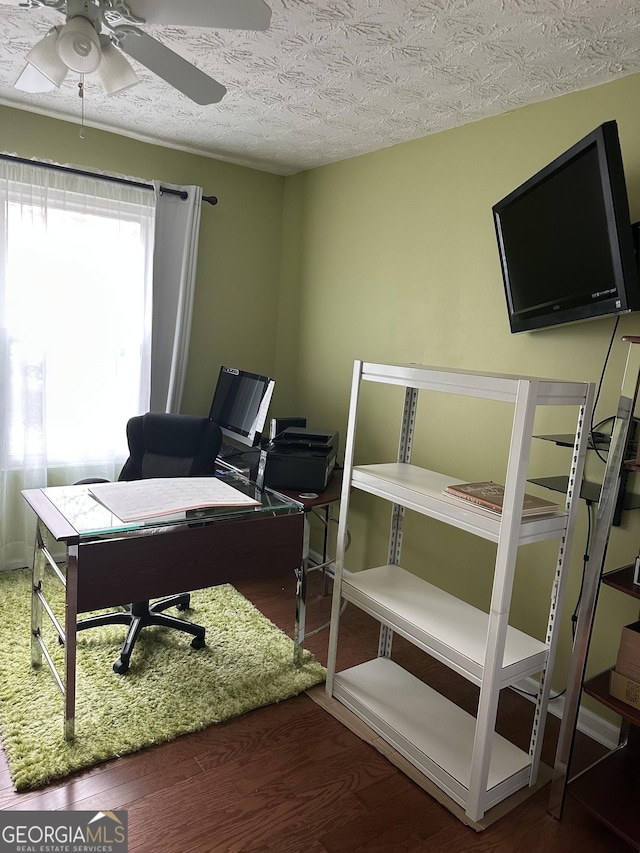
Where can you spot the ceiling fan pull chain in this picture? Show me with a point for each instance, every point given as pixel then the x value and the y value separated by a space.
pixel 81 96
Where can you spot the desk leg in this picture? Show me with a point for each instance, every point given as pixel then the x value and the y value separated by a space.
pixel 71 617
pixel 325 550
pixel 37 576
pixel 301 612
pixel 305 542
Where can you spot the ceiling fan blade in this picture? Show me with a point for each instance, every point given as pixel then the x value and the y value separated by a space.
pixel 32 80
pixel 210 14
pixel 182 75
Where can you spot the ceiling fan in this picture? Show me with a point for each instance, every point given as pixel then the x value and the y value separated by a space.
pixel 96 34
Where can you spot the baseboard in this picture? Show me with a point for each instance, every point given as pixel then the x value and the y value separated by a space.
pixel 589 723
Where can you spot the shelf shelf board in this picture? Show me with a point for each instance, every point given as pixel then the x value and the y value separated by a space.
pixel 435 735
pixel 421 490
pixel 611 791
pixel 622 579
pixel 602 442
pixel 598 688
pixel 588 491
pixel 439 623
pixel 472 383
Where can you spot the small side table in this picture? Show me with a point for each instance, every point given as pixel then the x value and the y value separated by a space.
pixel 318 504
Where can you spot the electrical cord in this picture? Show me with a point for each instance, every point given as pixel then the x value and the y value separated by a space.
pixel 585 560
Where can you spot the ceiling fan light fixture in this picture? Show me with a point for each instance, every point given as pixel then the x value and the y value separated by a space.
pixel 78 45
pixel 114 71
pixel 44 57
pixel 33 81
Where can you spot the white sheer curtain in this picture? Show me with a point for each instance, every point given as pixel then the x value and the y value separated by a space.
pixel 76 258
pixel 175 262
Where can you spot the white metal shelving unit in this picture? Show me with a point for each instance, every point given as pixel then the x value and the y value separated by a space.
pixel 458 752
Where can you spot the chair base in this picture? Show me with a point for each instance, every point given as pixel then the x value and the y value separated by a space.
pixel 141 614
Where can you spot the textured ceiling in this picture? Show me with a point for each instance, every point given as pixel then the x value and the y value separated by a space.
pixel 331 80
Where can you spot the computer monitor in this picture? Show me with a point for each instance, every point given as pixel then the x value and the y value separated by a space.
pixel 240 404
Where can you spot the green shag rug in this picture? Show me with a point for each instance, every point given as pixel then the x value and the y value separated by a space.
pixel 169 690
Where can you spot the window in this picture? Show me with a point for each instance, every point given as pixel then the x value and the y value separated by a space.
pixel 75 316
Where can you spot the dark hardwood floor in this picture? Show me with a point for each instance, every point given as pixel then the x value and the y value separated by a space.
pixel 289 778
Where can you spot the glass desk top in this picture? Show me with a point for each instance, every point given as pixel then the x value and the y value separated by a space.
pixel 85 517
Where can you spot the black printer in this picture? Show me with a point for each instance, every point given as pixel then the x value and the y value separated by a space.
pixel 301 459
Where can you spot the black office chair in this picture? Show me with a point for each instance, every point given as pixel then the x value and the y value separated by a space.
pixel 161 445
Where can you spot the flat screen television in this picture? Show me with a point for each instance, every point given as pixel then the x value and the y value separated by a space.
pixel 240 404
pixel 565 238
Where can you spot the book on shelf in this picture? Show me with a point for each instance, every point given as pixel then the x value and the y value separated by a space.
pixel 490 495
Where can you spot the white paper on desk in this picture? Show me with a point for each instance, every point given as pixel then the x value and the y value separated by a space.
pixel 134 500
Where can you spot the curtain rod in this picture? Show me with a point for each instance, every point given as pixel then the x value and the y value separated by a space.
pixel 211 199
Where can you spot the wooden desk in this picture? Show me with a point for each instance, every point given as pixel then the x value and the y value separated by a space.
pixel 330 495
pixel 110 562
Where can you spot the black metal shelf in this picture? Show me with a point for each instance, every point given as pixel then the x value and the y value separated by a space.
pixel 590 492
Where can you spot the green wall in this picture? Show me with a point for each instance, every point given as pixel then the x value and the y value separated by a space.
pixel 391 256
pixel 235 310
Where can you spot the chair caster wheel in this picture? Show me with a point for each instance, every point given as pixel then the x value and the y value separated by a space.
pixel 121 666
pixel 198 643
pixel 184 606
